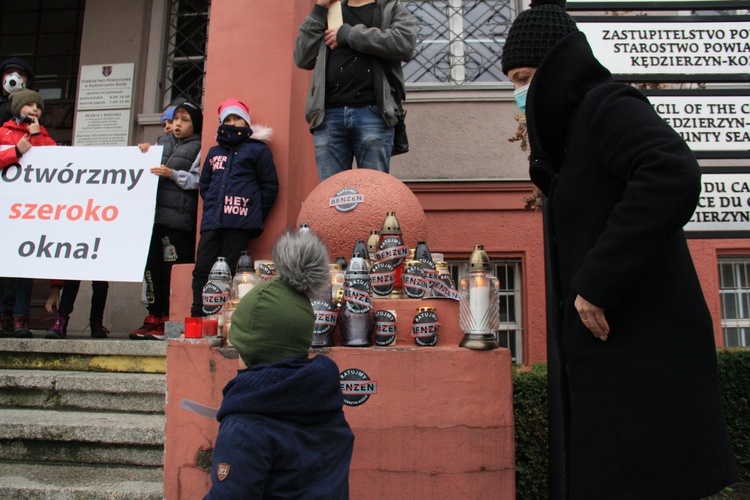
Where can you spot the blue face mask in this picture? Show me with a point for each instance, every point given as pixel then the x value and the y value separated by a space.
pixel 520 96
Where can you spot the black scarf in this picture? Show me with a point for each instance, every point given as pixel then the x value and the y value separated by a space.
pixel 229 135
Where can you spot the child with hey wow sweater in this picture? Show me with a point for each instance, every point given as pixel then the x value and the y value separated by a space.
pixel 238 185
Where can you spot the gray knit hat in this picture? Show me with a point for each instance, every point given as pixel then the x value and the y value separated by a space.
pixel 22 97
pixel 534 32
pixel 275 319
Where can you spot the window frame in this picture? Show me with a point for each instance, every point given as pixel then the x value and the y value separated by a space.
pixel 457 43
pixel 742 307
pixel 171 47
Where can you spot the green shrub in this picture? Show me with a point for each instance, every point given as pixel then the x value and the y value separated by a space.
pixel 530 409
pixel 734 373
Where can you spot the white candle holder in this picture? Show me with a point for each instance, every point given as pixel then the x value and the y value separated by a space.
pixel 479 300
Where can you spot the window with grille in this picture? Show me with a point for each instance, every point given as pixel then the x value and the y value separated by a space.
pixel 734 290
pixel 185 69
pixel 508 273
pixel 459 41
pixel 48 37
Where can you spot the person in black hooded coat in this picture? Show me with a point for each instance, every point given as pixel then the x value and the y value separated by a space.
pixel 635 409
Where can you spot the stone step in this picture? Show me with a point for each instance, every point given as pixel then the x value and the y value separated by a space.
pixel 55 389
pixel 30 435
pixel 68 482
pixel 98 355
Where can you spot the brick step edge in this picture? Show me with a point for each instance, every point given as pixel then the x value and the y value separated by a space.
pixel 76 453
pixel 80 426
pixel 62 482
pixel 124 392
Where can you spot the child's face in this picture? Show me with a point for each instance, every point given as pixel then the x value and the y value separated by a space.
pixel 31 109
pixel 182 125
pixel 9 71
pixel 166 126
pixel 235 121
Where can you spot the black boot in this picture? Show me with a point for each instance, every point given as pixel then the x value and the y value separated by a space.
pixel 21 327
pixel 6 325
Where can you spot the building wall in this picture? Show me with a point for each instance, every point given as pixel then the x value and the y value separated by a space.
pixel 463 135
pixel 456 136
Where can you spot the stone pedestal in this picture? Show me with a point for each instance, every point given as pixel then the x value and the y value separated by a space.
pixel 433 422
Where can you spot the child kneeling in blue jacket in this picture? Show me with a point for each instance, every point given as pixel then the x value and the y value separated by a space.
pixel 283 433
pixel 238 184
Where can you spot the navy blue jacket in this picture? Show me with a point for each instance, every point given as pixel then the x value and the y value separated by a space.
pixel 238 182
pixel 283 434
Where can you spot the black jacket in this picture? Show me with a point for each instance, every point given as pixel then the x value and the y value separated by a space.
pixel 177 197
pixel 637 416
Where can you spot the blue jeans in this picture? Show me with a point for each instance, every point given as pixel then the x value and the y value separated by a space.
pixel 352 132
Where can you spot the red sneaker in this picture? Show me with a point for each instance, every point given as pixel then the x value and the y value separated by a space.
pixel 158 332
pixel 150 323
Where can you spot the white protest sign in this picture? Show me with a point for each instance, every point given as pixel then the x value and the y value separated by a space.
pixel 724 204
pixel 78 213
pixel 706 120
pixel 714 47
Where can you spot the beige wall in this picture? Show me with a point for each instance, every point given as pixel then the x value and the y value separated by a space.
pixel 461 140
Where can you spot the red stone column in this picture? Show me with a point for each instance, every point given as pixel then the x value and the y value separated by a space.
pixel 250 57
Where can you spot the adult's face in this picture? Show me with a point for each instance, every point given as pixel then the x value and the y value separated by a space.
pixel 520 77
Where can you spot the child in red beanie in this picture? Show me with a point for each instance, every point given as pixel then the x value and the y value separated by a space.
pixel 238 185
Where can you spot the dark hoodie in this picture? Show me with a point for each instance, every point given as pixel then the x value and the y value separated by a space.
pixel 283 433
pixel 5 105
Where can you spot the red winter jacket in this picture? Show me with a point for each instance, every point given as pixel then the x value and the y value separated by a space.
pixel 11 132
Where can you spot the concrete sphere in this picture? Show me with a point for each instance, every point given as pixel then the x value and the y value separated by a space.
pixel 380 193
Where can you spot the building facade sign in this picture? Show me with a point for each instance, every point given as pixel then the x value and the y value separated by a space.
pixel 724 205
pixel 637 48
pixel 714 123
pixel 105 86
pixel 657 4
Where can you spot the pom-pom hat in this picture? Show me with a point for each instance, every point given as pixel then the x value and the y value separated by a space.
pixel 534 32
pixel 234 107
pixel 21 98
pixel 275 320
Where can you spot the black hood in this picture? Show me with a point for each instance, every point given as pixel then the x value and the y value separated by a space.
pixel 562 80
pixel 17 62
